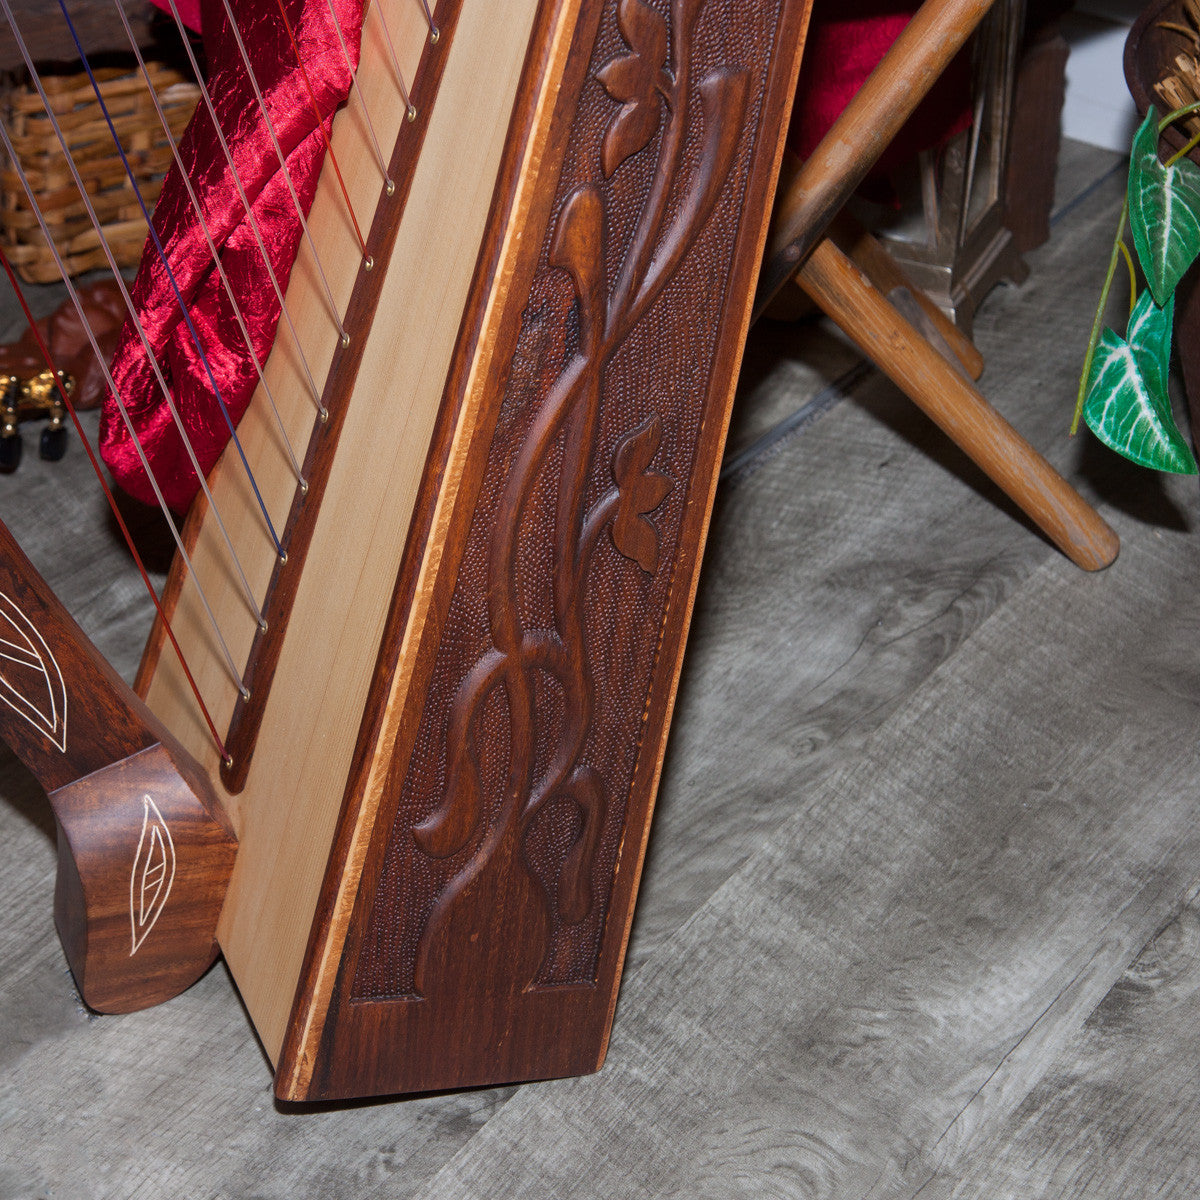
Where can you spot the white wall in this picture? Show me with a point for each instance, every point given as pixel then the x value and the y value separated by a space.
pixel 1098 108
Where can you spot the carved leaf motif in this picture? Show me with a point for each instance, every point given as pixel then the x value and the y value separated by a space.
pixel 574 884
pixel 578 246
pixel 449 827
pixel 152 874
pixel 30 682
pixel 631 80
pixel 640 491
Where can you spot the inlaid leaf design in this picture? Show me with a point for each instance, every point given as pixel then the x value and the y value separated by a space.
pixel 630 79
pixel 30 682
pixel 640 491
pixel 1127 406
pixel 1164 211
pixel 152 874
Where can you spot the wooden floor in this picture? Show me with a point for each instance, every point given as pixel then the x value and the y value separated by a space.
pixel 919 915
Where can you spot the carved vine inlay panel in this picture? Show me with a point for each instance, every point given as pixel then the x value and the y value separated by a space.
pixel 514 802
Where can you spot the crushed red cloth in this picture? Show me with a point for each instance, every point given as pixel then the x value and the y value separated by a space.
pixel 296 127
pixel 189 11
pixel 846 40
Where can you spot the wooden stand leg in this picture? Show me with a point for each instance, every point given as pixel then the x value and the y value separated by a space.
pixel 886 274
pixel 842 291
pixel 144 849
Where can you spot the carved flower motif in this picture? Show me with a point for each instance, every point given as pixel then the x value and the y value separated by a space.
pixel 631 80
pixel 639 492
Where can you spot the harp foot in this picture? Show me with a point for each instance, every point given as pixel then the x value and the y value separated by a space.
pixel 143 865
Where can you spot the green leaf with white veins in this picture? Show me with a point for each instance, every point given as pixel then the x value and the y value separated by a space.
pixel 1127 406
pixel 1164 211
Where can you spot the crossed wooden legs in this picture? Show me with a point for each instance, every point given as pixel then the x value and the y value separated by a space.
pixel 854 295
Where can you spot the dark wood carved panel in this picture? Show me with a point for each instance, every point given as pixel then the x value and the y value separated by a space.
pixel 528 745
pixel 509 839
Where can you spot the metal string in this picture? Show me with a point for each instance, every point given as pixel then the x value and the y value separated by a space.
pixel 150 357
pixel 434 31
pixel 312 101
pixel 100 358
pixel 322 411
pixel 179 300
pixel 212 249
pixel 287 178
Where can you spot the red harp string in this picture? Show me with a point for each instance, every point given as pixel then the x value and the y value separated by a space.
pixel 298 129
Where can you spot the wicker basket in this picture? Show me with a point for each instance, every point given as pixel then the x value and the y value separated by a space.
pixel 37 147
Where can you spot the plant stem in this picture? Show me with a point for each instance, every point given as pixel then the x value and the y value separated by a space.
pixel 1174 116
pixel 1098 321
pixel 1132 274
pixel 1186 148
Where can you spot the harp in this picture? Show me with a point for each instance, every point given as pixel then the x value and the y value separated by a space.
pixel 447 723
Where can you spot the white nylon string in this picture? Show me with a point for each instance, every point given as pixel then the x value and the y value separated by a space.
pixel 212 249
pixel 100 358
pixel 206 96
pixel 130 307
pixel 287 177
pixel 389 184
pixel 411 111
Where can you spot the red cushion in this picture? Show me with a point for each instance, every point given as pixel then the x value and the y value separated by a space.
pixel 846 40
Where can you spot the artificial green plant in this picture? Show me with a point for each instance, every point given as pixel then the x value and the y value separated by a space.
pixel 1123 389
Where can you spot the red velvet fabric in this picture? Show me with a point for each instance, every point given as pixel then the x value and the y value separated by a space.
pixel 846 40
pixel 257 166
pixel 189 10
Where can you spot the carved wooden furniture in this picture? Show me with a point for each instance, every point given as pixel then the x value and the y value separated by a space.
pixel 442 776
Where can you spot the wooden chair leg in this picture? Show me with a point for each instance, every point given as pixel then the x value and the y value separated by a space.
pixel 877 264
pixel 833 281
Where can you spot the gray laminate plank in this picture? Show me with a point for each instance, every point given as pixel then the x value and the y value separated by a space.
pixel 857 559
pixel 1117 1111
pixel 786 363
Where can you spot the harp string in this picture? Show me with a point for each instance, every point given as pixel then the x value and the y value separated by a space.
pixel 120 401
pixel 130 308
pixel 206 96
pixel 179 300
pixel 287 175
pixel 312 100
pixel 434 32
pixel 389 185
pixel 198 211
pixel 112 503
pixel 409 108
